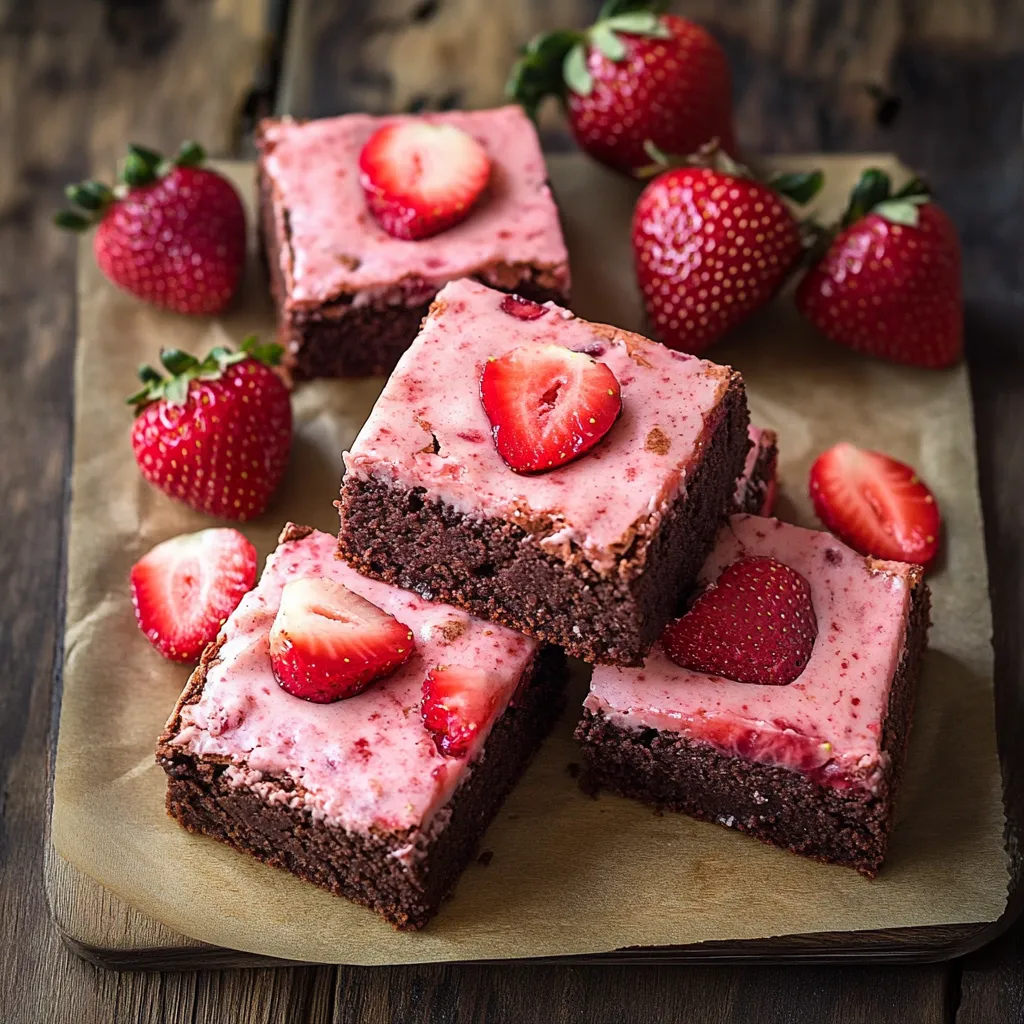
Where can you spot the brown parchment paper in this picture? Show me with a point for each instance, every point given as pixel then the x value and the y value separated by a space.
pixel 570 874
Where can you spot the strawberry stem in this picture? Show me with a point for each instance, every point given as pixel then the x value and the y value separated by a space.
pixel 872 188
pixel 539 71
pixel 800 186
pixel 913 188
pixel 68 220
pixel 873 194
pixel 269 352
pixel 554 62
pixel 183 368
pixel 574 70
pixel 710 155
pixel 91 199
pixel 190 154
pixel 142 166
pixel 175 361
pixel 89 195
pixel 148 156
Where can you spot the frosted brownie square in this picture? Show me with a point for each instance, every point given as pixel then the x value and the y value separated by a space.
pixel 355 796
pixel 811 764
pixel 592 555
pixel 349 296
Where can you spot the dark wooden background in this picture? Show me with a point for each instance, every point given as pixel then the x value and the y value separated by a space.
pixel 941 83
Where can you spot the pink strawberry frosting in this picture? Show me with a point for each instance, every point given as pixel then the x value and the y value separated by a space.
pixel 428 428
pixel 338 248
pixel 828 722
pixel 362 762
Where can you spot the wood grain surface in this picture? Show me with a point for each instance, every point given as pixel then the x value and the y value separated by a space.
pixel 77 80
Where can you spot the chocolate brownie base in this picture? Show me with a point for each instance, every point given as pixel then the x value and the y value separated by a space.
pixel 774 804
pixel 761 479
pixel 339 339
pixel 496 570
pixel 362 867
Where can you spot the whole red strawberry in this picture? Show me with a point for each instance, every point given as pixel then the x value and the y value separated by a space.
pixel 711 245
pixel 217 434
pixel 635 76
pixel 754 624
pixel 889 284
pixel 171 233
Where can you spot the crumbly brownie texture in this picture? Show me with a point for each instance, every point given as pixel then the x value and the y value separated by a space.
pixel 363 867
pixel 498 571
pixel 332 329
pixel 755 490
pixel 778 805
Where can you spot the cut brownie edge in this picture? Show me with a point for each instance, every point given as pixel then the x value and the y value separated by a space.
pixel 779 806
pixel 364 341
pixel 369 868
pixel 497 571
pixel 756 494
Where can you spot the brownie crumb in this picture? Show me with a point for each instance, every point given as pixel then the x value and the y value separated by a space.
pixel 485 858
pixel 449 632
pixel 657 442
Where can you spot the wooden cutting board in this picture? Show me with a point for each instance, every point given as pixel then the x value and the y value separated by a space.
pixel 107 928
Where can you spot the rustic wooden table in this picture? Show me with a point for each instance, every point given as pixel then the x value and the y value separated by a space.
pixel 941 84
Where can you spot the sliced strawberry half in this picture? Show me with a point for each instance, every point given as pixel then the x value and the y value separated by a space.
pixel 328 643
pixel 457 703
pixel 421 178
pixel 185 588
pixel 875 504
pixel 755 624
pixel 548 405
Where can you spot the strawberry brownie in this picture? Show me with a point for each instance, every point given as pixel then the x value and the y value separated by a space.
pixel 780 704
pixel 380 796
pixel 757 486
pixel 350 295
pixel 561 477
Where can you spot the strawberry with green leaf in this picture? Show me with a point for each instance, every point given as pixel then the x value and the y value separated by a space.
pixel 888 280
pixel 635 76
pixel 171 232
pixel 214 434
pixel 712 244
